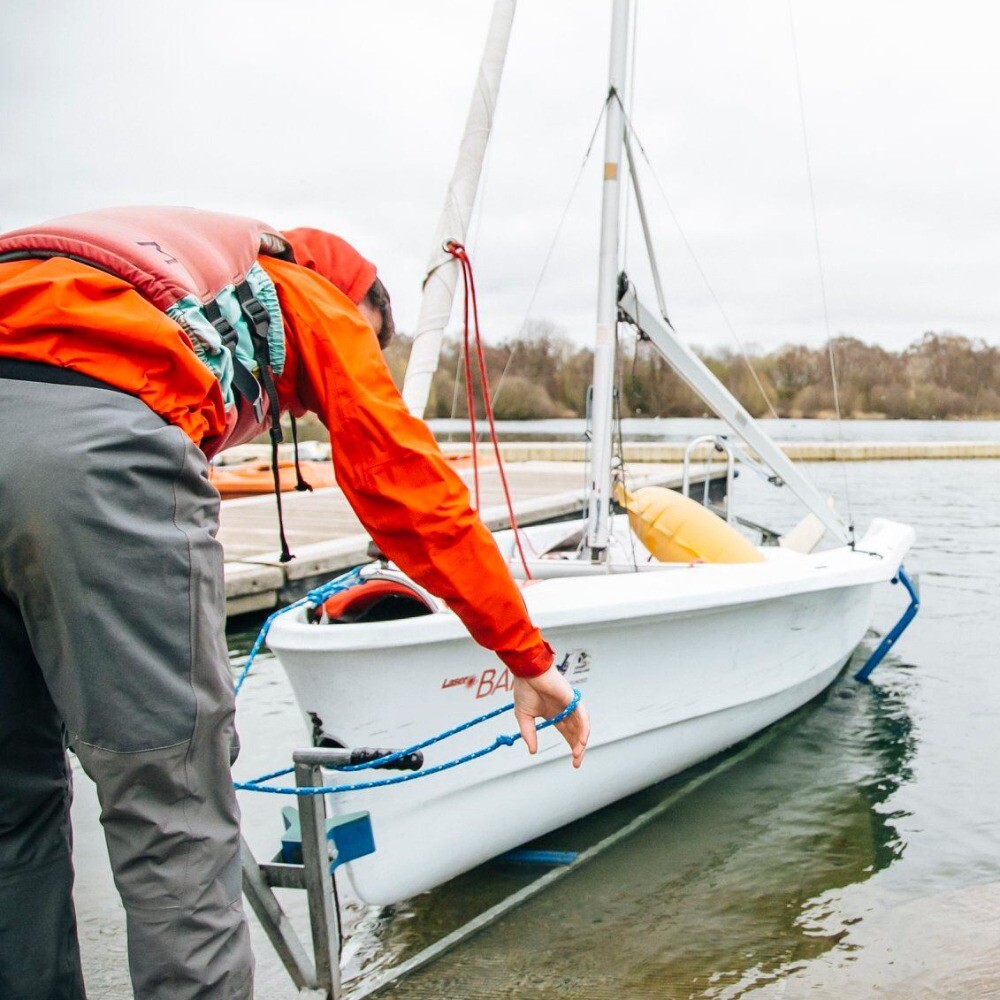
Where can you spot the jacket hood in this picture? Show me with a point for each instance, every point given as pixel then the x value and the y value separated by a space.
pixel 334 259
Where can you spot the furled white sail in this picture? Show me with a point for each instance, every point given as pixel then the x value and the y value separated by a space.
pixel 599 513
pixel 442 272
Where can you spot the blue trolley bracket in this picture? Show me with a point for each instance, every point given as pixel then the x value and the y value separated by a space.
pixel 913 589
pixel 351 836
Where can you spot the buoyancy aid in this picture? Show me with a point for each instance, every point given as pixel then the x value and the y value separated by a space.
pixel 201 270
pixel 73 315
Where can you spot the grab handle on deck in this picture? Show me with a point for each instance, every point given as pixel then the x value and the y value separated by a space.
pixel 719 443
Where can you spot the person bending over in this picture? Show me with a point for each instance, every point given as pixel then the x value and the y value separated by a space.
pixel 135 344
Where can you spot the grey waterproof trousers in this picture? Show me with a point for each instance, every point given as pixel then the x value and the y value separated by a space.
pixel 112 640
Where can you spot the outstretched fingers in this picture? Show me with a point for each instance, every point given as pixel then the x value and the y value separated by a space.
pixel 545 697
pixel 576 731
pixel 526 723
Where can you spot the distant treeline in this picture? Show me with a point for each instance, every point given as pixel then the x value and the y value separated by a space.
pixel 939 376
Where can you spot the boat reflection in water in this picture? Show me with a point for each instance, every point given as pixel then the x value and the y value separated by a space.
pixel 728 890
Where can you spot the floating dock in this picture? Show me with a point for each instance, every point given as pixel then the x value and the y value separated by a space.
pixel 327 538
pixel 547 481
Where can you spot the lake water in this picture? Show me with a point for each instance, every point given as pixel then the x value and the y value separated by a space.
pixel 683 429
pixel 856 853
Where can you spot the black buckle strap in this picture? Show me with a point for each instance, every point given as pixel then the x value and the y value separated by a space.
pixel 257 316
pixel 259 321
pixel 243 381
pixel 225 328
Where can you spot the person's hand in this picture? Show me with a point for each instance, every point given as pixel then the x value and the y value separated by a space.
pixel 546 696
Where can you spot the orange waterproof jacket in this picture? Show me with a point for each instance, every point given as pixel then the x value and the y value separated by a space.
pixel 417 510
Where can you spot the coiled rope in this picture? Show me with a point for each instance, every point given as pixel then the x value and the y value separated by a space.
pixel 314 599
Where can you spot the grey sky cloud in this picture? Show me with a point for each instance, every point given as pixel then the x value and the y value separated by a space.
pixel 347 115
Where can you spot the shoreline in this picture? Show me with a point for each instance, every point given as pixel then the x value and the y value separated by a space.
pixel 799 451
pixel 655 452
pixel 546 481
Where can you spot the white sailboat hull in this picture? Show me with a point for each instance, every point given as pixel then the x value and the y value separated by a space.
pixel 675 663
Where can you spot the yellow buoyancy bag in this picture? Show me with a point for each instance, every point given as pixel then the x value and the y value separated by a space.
pixel 675 528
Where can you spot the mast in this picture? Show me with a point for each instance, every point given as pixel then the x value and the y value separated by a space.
pixel 607 290
pixel 441 276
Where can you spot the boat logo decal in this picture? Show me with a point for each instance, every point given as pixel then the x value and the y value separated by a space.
pixel 575 666
pixel 494 681
pixel 468 681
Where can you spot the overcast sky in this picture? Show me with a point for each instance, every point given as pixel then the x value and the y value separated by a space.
pixel 347 115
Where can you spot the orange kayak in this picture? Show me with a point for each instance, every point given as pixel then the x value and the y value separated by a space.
pixel 253 478
pixel 460 461
pixel 250 479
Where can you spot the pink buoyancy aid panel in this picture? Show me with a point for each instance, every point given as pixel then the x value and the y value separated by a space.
pixel 166 253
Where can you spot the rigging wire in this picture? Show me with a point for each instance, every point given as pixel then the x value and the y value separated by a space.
pixel 618 474
pixel 744 353
pixel 619 470
pixel 454 394
pixel 631 103
pixel 473 242
pixel 819 263
pixel 552 245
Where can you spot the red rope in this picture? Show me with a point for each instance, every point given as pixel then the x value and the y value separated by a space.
pixel 470 401
pixel 459 253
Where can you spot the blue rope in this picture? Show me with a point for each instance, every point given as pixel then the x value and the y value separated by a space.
pixel 315 598
pixel 501 740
